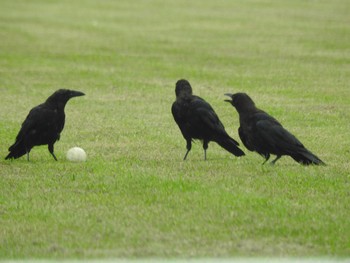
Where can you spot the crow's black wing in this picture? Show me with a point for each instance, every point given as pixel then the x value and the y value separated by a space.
pixel 176 111
pixel 206 117
pixel 179 109
pixel 272 137
pixel 210 128
pixel 246 140
pixel 41 126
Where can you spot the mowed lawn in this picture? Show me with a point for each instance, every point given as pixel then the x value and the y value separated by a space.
pixel 135 197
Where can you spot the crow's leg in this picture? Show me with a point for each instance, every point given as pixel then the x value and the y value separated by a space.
pixel 267 157
pixel 27 151
pixel 188 146
pixel 275 160
pixel 205 147
pixel 50 146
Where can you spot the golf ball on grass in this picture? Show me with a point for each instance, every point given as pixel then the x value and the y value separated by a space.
pixel 76 154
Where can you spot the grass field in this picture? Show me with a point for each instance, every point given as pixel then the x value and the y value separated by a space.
pixel 135 197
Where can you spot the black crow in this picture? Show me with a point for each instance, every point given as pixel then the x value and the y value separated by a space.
pixel 43 125
pixel 197 120
pixel 263 134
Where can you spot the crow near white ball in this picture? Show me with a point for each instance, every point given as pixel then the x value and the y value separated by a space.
pixel 76 154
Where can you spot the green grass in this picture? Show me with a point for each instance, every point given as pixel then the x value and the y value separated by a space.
pixel 135 197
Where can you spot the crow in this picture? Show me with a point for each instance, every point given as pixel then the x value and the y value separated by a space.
pixel 43 125
pixel 263 134
pixel 197 120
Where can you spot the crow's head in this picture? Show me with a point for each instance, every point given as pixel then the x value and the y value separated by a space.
pixel 61 96
pixel 183 88
pixel 241 101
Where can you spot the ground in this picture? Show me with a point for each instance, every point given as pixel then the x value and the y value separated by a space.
pixel 135 197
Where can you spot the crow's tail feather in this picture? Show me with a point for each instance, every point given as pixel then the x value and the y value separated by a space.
pixel 306 157
pixel 16 150
pixel 230 145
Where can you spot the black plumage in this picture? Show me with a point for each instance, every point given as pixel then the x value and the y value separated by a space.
pixel 263 134
pixel 43 125
pixel 197 120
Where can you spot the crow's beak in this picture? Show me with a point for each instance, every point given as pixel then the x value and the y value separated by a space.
pixel 74 93
pixel 229 95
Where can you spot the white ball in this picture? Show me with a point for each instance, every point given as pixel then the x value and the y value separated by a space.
pixel 76 154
